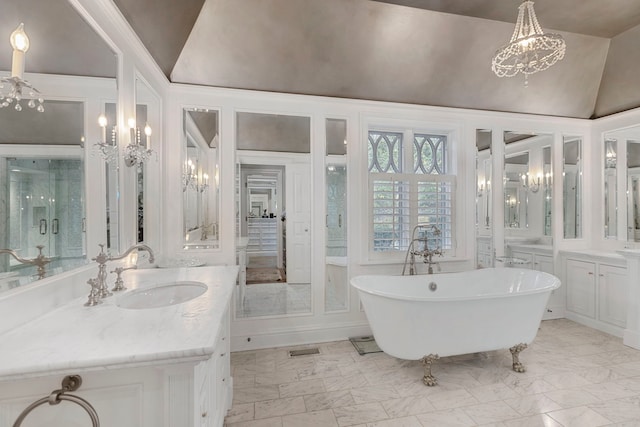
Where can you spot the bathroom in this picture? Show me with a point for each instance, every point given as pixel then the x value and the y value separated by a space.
pixel 185 201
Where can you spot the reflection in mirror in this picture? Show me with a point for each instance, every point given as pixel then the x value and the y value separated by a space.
pixel 274 189
pixel 633 190
pixel 572 187
pixel 200 171
pixel 516 186
pixel 547 195
pixel 74 64
pixel 610 188
pixel 111 177
pixel 484 241
pixel 42 189
pixel 337 278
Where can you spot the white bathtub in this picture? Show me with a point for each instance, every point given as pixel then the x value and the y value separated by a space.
pixel 468 312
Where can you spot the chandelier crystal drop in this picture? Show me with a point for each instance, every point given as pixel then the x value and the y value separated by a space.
pixel 530 50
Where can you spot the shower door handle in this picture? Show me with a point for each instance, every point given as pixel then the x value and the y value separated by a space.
pixel 43 226
pixel 54 226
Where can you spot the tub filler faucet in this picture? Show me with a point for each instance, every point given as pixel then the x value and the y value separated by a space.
pixel 39 261
pixel 426 253
pixel 99 288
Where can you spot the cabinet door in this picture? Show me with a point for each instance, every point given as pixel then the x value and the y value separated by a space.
pixel 543 263
pixel 581 287
pixel 612 294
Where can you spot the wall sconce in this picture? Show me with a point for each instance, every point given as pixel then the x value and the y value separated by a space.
pixel 531 184
pixel 108 150
pixel 189 177
pixel 11 88
pixel 548 179
pixel 135 153
pixel 480 191
pixel 205 183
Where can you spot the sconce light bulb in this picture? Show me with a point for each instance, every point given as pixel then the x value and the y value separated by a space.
pixel 102 120
pixel 131 122
pixel 19 40
pixel 147 130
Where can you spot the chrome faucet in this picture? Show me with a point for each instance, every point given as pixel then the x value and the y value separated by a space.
pixel 40 261
pixel 426 254
pixel 99 288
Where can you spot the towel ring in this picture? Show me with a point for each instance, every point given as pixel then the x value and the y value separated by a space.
pixel 69 383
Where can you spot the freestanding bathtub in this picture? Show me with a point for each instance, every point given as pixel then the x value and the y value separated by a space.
pixel 424 317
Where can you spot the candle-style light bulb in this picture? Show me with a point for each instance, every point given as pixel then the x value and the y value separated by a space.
pixel 102 122
pixel 147 132
pixel 20 43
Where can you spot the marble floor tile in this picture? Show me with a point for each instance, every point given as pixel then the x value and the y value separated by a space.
pixel 491 412
pixel 448 418
pixel 332 399
pixel 301 388
pixel 579 416
pixel 358 414
pixel 324 418
pixel 405 406
pixel 279 407
pixel 575 377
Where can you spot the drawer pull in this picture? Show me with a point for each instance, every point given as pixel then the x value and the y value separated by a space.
pixel 590 273
pixel 222 354
pixel 204 415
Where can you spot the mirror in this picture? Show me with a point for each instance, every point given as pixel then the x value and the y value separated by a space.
pixel 610 188
pixel 273 152
pixel 633 190
pixel 336 290
pixel 200 178
pixel 52 147
pixel 547 196
pixel 516 200
pixel 484 240
pixel 572 187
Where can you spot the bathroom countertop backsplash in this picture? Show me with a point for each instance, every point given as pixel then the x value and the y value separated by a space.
pixel 75 337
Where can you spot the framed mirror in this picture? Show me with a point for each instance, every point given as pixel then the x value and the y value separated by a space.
pixel 49 156
pixel 336 290
pixel 610 188
pixel 633 190
pixel 572 187
pixel 547 193
pixel 274 174
pixel 484 206
pixel 201 142
pixel 516 200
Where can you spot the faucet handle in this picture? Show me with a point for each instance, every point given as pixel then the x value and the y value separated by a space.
pixel 119 284
pixel 94 295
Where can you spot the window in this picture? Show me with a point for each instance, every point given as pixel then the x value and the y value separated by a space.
pixel 409 185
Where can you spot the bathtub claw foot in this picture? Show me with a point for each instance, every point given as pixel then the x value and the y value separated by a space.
pixel 428 379
pixel 515 353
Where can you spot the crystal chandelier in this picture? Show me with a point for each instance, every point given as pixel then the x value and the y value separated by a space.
pixel 14 89
pixel 530 50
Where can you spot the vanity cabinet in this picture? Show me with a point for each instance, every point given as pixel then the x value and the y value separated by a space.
pixel 540 258
pixel 177 394
pixel 596 290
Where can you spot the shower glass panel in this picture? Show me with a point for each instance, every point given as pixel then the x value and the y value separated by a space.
pixel 46 207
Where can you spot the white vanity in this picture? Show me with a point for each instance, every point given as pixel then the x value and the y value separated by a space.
pixel 163 366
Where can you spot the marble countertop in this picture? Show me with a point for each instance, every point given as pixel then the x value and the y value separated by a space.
pixel 74 338
pixel 595 253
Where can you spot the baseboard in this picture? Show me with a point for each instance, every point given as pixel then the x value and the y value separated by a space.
pixel 596 324
pixel 287 338
pixel 631 338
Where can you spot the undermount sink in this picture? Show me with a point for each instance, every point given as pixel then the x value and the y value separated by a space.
pixel 162 295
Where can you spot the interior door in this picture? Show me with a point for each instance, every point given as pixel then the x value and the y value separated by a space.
pixel 298 223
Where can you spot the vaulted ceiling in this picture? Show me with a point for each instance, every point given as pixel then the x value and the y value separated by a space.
pixel 431 52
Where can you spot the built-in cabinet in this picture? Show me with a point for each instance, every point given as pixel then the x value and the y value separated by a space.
pixel 262 233
pixel 596 286
pixel 540 258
